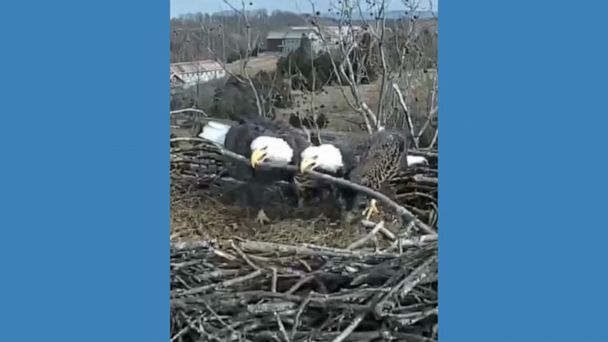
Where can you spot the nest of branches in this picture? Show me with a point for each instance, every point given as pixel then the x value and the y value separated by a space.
pixel 300 278
pixel 261 291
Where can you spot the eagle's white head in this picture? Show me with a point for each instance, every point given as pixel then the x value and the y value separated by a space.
pixel 270 149
pixel 326 157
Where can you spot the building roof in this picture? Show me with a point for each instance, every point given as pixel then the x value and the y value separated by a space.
pixel 276 35
pixel 295 35
pixel 303 28
pixel 285 35
pixel 195 67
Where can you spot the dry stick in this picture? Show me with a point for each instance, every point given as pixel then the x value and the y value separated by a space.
pixel 386 232
pixel 385 71
pixel 407 114
pixel 434 138
pixel 299 283
pixel 226 283
pixel 203 332
pixel 281 327
pixel 225 255
pixel 244 256
pixel 226 325
pixel 187 245
pixel 351 327
pixel 186 328
pixel 305 302
pixel 195 110
pixel 417 241
pixel 273 285
pixel 418 317
pixel 406 285
pixel 307 250
pixel 369 235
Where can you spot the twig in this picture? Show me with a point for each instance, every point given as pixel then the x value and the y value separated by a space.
pixel 223 254
pixel 434 141
pixel 367 237
pixel 273 285
pixel 195 110
pixel 351 327
pixel 418 241
pixel 406 285
pixel 305 302
pixel 226 283
pixel 244 256
pixel 387 233
pixel 186 328
pixel 408 117
pixel 305 249
pixel 299 283
pixel 281 327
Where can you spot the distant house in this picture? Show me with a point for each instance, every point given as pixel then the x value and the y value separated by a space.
pixel 333 34
pixel 289 40
pixel 188 74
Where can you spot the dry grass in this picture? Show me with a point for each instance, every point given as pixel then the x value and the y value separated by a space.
pixel 267 62
pixel 205 218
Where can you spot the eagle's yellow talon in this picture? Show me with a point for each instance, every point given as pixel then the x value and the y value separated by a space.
pixel 261 217
pixel 371 209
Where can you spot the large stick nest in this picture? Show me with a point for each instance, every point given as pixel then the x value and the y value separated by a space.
pixel 305 276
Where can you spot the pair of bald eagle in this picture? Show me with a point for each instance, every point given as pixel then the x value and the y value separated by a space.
pixel 369 160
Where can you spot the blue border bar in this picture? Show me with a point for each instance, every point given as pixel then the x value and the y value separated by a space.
pixel 523 171
pixel 84 184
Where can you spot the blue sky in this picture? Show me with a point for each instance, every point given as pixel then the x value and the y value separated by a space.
pixel 179 7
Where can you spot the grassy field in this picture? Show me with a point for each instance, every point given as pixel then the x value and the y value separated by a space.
pixel 264 62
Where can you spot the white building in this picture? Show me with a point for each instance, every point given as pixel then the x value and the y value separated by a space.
pixel 188 74
pixel 289 40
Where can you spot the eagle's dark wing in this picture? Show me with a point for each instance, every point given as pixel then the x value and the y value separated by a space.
pixel 296 138
pixel 238 140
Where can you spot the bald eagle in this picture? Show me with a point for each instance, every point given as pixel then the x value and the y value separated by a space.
pixel 258 139
pixel 369 160
pixel 325 158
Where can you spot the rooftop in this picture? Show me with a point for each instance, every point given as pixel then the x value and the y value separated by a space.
pixel 296 32
pixel 288 34
pixel 195 67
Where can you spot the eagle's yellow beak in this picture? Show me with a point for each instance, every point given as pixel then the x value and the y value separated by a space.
pixel 258 156
pixel 306 165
